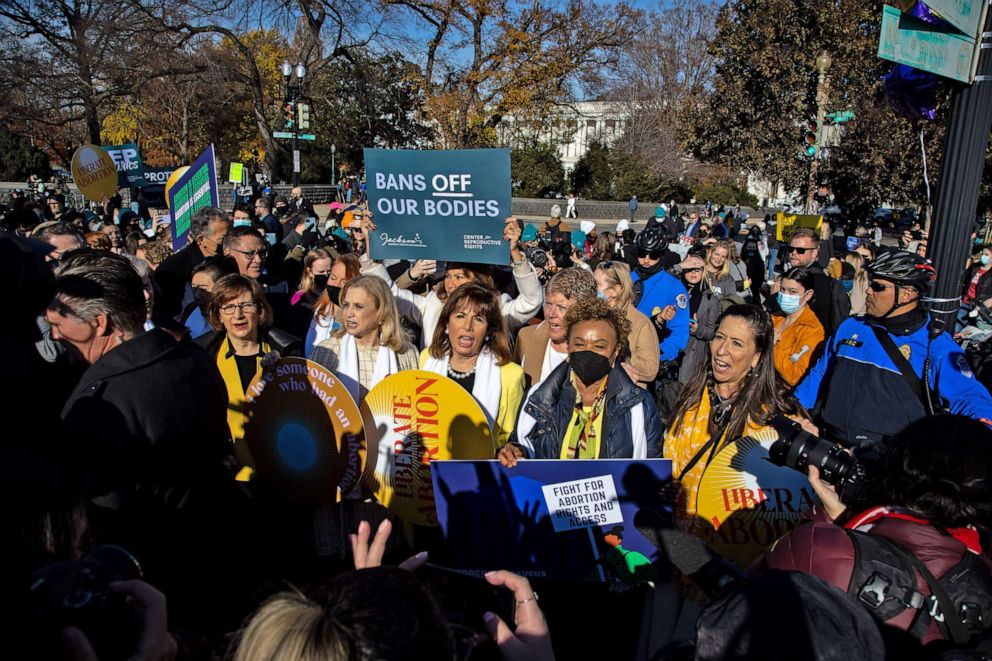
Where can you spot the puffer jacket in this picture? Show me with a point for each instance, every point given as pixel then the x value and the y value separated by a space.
pixel 824 549
pixel 631 425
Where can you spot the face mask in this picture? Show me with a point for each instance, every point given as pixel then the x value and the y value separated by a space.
pixel 281 211
pixel 201 297
pixel 589 366
pixel 320 282
pixel 789 303
pixel 985 259
pixel 601 295
pixel 242 223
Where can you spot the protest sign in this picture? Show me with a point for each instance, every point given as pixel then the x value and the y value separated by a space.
pixel 446 205
pixel 745 502
pixel 196 188
pixel 127 159
pixel 304 432
pixel 408 429
pixel 94 173
pixel 236 173
pixel 789 223
pixel 556 519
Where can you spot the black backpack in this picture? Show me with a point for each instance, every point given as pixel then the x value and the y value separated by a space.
pixel 884 580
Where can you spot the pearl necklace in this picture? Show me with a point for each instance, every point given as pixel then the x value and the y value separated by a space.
pixel 460 375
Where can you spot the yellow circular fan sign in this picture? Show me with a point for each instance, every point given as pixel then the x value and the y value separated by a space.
pixel 411 419
pixel 745 502
pixel 304 432
pixel 94 172
pixel 171 181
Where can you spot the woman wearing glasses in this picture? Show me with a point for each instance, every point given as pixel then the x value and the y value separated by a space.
pixel 640 356
pixel 240 317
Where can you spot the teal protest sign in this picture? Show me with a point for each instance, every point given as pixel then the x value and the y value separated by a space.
pixel 195 189
pixel 127 159
pixel 446 205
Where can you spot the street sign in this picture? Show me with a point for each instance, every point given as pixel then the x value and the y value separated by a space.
pixel 840 117
pixel 285 135
pixel 965 15
pixel 307 136
pixel 906 40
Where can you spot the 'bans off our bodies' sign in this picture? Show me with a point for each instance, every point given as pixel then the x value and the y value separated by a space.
pixel 445 205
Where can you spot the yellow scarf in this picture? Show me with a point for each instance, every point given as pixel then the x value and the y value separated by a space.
pixel 236 401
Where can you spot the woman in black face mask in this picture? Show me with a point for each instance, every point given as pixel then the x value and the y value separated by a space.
pixel 316 271
pixel 588 408
pixel 204 275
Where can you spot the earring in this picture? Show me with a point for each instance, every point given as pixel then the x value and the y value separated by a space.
pixel 487 338
pixel 445 331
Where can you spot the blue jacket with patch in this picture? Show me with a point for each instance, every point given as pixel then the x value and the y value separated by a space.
pixel 659 291
pixel 865 398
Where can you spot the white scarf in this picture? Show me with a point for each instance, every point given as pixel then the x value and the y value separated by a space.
pixel 487 388
pixel 385 364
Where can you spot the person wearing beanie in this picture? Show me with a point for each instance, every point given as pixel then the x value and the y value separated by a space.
pixel 555 226
pixel 589 229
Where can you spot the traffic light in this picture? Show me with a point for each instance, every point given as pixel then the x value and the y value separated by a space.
pixel 812 137
pixel 303 115
pixel 288 113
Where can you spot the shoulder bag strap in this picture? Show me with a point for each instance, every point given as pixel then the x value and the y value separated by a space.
pixel 912 379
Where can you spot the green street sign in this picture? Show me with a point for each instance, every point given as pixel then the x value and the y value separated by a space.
pixel 965 15
pixel 284 135
pixel 840 117
pixel 307 136
pixel 906 40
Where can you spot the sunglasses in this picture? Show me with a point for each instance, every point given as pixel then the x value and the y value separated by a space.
pixel 878 287
pixel 799 251
pixel 650 255
pixel 694 269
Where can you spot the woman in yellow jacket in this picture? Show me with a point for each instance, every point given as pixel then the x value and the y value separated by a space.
pixel 798 333
pixel 472 346
pixel 732 394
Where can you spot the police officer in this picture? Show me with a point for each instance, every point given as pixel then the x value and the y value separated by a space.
pixel 882 371
pixel 657 291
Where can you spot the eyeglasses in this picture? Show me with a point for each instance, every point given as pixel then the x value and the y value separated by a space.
pixel 878 287
pixel 798 250
pixel 251 254
pixel 248 308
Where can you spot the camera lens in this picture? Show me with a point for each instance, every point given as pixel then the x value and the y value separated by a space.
pixel 798 449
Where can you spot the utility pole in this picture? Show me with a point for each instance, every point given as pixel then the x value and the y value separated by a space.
pixel 956 204
pixel 823 61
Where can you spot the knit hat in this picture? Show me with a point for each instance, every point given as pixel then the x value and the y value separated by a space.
pixel 623 225
pixel 556 211
pixel 587 226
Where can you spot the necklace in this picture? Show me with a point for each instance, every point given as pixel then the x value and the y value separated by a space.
pixel 454 374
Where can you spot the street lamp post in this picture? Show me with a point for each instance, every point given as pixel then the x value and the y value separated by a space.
pixel 823 61
pixel 293 94
pixel 334 172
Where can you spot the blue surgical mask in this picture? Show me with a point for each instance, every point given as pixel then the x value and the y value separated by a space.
pixel 601 295
pixel 985 259
pixel 242 223
pixel 789 302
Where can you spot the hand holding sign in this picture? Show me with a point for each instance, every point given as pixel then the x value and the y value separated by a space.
pixel 511 233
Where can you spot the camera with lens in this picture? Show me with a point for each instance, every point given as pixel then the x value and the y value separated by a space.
pixel 537 256
pixel 77 594
pixel 796 448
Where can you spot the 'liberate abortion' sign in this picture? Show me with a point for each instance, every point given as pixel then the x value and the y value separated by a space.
pixel 445 205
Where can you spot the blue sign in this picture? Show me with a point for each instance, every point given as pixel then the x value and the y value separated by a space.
pixel 197 188
pixel 446 205
pixel 555 519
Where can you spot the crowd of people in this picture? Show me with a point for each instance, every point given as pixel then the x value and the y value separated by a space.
pixel 131 365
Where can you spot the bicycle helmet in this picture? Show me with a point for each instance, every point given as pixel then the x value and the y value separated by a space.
pixel 652 239
pixel 904 269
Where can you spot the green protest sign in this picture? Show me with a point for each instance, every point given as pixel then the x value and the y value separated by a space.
pixel 127 159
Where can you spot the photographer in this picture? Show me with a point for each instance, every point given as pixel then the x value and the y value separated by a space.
pixel 929 506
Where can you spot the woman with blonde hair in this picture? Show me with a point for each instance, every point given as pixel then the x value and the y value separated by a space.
pixel 640 355
pixel 344 268
pixel 716 269
pixel 369 343
pixel 859 283
pixel 316 274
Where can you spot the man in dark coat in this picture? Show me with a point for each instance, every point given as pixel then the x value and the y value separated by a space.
pixel 207 230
